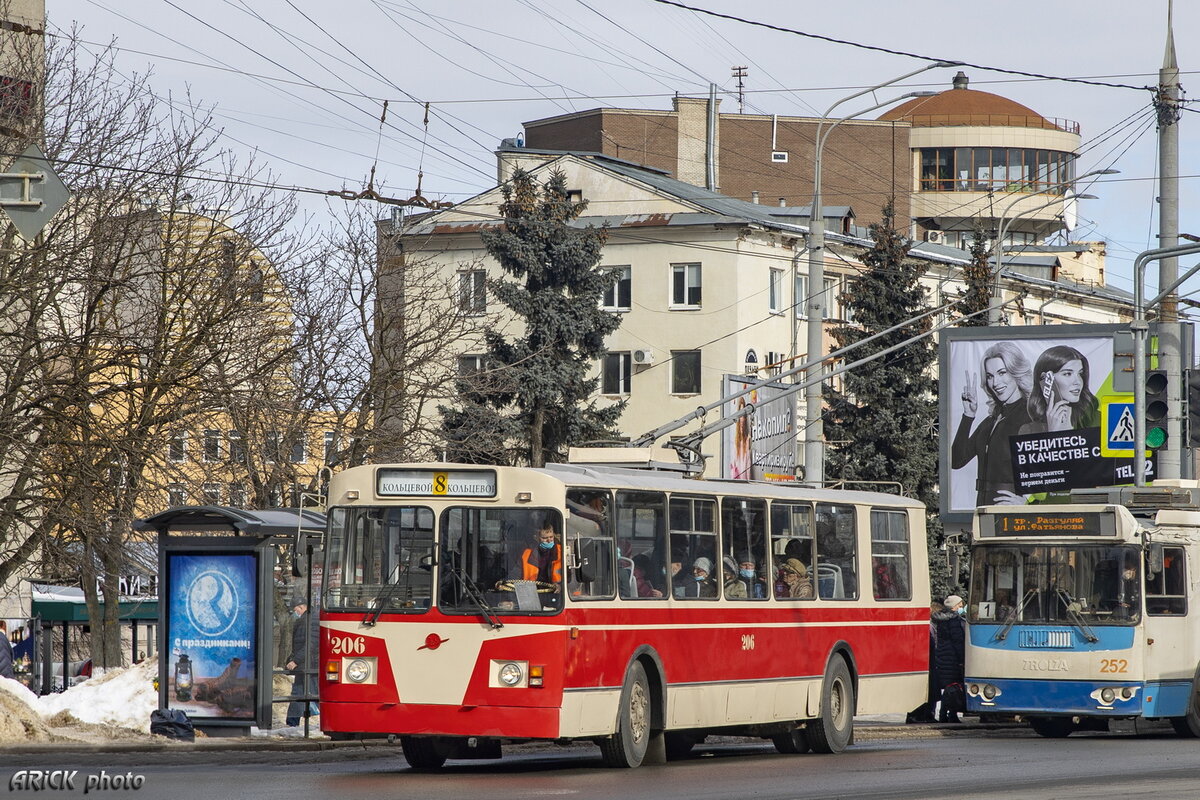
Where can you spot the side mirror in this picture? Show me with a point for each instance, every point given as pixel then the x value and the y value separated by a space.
pixel 585 560
pixel 1154 559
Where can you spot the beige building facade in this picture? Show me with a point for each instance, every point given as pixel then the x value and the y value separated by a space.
pixel 709 285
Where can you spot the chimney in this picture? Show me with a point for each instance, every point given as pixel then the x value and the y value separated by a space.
pixel 783 202
pixel 960 80
pixel 754 197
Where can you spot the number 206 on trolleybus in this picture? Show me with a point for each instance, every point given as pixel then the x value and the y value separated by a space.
pixel 467 607
pixel 1081 614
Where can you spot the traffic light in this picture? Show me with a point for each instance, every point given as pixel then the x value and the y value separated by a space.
pixel 1193 407
pixel 1156 408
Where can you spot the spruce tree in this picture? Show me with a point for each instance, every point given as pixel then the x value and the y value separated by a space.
pixel 977 275
pixel 880 425
pixel 534 398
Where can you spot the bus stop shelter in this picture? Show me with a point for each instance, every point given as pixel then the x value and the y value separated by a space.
pixel 220 590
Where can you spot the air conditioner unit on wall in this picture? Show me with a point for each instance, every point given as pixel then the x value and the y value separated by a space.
pixel 936 237
pixel 643 356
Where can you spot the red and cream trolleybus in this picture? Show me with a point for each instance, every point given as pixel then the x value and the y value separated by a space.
pixel 465 607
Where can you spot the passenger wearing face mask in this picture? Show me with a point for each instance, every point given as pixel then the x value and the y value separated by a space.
pixel 302 661
pixel 756 589
pixel 701 584
pixel 949 655
pixel 542 561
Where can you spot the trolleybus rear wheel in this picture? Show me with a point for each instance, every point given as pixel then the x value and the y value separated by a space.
pixel 627 747
pixel 793 742
pixel 421 753
pixel 1052 727
pixel 831 732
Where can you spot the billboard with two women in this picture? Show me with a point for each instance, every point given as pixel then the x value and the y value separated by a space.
pixel 1027 414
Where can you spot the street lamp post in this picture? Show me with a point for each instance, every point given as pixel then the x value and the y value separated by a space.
pixel 1005 221
pixel 814 444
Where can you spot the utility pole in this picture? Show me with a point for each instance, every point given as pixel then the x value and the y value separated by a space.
pixel 1167 104
pixel 740 73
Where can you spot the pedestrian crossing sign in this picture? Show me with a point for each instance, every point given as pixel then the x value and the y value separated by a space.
pixel 1117 421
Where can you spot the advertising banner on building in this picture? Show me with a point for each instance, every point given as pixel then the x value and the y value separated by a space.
pixel 211 630
pixel 762 444
pixel 1025 415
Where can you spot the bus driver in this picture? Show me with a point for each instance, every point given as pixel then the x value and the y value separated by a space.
pixel 542 561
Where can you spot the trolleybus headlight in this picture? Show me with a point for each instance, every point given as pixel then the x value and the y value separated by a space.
pixel 973 689
pixel 1107 695
pixel 989 692
pixel 358 670
pixel 1126 693
pixel 510 674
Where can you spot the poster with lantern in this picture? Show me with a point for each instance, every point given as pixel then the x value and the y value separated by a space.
pixel 211 634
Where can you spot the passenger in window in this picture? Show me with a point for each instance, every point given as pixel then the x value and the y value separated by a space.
pixel 641 577
pixel 748 575
pixel 794 581
pixel 734 588
pixel 702 584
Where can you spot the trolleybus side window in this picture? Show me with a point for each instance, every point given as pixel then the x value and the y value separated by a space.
pixel 494 557
pixel 837 578
pixel 693 528
pixel 1166 591
pixel 744 540
pixel 641 526
pixel 792 540
pixel 591 573
pixel 889 555
pixel 380 558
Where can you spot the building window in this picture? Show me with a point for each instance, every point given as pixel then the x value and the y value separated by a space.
pixel 614 373
pixel 472 292
pixel 619 296
pixel 237 495
pixel 330 447
pixel 831 299
pixel 16 98
pixel 237 447
pixel 575 196
pixel 776 362
pixel 685 372
pixel 255 278
pixel 176 495
pixel 995 169
pixel 685 285
pixel 299 453
pixel 775 291
pixel 177 449
pixel 212 494
pixel 469 365
pixel 272 447
pixel 212 445
pixel 801 289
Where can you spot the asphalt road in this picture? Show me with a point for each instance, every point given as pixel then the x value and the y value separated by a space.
pixel 971 764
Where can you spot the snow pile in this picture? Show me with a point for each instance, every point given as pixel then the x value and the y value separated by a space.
pixel 121 699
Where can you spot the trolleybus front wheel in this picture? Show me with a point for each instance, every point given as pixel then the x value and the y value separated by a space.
pixel 1189 724
pixel 831 732
pixel 422 754
pixel 1052 727
pixel 627 747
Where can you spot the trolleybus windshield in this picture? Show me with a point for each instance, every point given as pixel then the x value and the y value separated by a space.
pixel 1072 584
pixel 379 559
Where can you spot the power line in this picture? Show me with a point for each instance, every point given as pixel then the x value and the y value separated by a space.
pixel 905 53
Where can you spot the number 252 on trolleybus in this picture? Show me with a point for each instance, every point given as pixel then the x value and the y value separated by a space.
pixel 1080 614
pixel 467 607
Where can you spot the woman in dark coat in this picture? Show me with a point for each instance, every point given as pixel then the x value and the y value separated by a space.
pixel 950 652
pixel 1007 380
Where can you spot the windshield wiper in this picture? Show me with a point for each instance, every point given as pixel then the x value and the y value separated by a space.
pixel 381 599
pixel 1002 634
pixel 1075 617
pixel 475 593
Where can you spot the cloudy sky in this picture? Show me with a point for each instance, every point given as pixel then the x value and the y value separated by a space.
pixel 303 83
